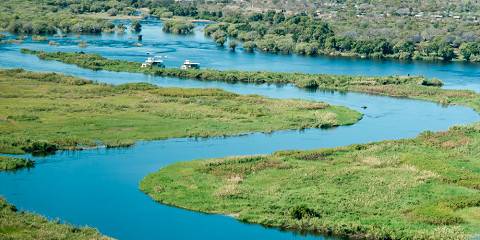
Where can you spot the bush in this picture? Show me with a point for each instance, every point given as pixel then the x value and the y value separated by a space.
pixel 302 212
pixel 136 26
pixel 232 45
pixel 40 148
pixel 431 82
pixel 249 46
pixel 178 27
pixel 112 12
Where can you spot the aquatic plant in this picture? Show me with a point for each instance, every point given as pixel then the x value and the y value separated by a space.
pixel 19 225
pixel 47 111
pixel 421 188
pixel 13 163
pixel 178 26
pixel 416 87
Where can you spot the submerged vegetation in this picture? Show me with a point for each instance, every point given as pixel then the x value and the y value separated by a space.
pixel 12 163
pixel 396 86
pixel 43 112
pixel 422 188
pixel 17 225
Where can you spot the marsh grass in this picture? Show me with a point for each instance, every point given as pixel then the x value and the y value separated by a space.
pixel 415 87
pixel 11 163
pixel 43 112
pixel 422 188
pixel 17 225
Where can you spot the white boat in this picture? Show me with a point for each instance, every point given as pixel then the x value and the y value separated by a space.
pixel 155 61
pixel 189 65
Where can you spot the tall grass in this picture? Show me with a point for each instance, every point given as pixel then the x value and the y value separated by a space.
pixel 11 163
pixel 422 188
pixel 43 112
pixel 17 225
pixel 303 80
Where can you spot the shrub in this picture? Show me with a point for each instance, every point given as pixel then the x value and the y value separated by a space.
pixel 178 27
pixel 431 82
pixel 302 212
pixel 40 148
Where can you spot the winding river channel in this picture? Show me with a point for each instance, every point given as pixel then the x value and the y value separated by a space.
pixel 99 187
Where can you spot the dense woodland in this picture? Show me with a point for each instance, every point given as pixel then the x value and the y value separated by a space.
pixel 399 30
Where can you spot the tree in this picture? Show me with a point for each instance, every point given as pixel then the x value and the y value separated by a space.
pixel 136 26
pixel 469 49
pixel 249 46
pixel 446 52
pixel 331 43
pixel 345 43
pixel 404 46
pixel 178 27
pixel 112 12
pixel 220 41
pixel 383 46
pixel 232 45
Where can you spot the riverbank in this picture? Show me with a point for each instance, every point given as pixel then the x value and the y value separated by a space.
pixel 414 87
pixel 11 163
pixel 17 225
pixel 44 112
pixel 422 188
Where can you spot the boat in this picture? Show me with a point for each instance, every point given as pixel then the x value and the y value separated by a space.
pixel 187 64
pixel 155 61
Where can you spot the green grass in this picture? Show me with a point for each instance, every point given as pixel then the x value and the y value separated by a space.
pixel 414 87
pixel 422 188
pixel 11 163
pixel 16 225
pixel 43 112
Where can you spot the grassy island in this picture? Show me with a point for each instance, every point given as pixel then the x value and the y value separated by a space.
pixel 11 163
pixel 16 225
pixel 43 112
pixel 415 87
pixel 422 188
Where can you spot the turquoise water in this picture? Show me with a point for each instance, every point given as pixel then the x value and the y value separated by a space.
pixel 99 187
pixel 200 49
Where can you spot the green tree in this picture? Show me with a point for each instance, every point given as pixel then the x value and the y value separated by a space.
pixel 446 52
pixel 469 49
pixel 232 45
pixel 136 26
pixel 249 46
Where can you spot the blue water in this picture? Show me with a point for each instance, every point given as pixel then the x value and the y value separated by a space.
pixel 198 48
pixel 99 187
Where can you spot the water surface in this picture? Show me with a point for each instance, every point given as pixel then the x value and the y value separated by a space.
pixel 99 187
pixel 197 47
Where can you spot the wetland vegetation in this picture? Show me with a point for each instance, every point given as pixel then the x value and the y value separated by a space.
pixel 18 225
pixel 43 112
pixel 406 31
pixel 415 87
pixel 47 17
pixel 13 163
pixel 422 188
pixel 178 26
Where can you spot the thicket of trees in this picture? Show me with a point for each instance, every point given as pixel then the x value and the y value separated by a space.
pixel 47 17
pixel 178 27
pixel 277 32
pixel 270 31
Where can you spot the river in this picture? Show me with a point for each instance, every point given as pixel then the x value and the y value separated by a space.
pixel 99 187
